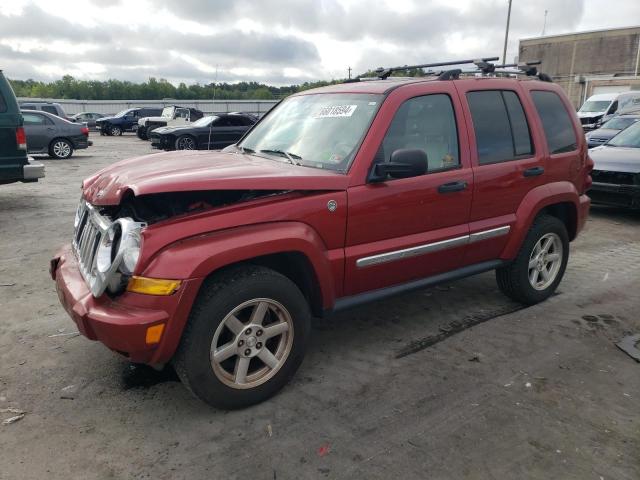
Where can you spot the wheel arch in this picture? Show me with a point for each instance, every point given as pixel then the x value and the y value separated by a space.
pixel 559 199
pixel 291 248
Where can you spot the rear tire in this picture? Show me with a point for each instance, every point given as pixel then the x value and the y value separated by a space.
pixel 231 329
pixel 60 148
pixel 540 264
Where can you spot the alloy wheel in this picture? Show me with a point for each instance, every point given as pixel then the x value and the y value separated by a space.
pixel 186 143
pixel 252 343
pixel 545 261
pixel 61 149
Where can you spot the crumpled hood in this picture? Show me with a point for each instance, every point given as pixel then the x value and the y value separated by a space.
pixel 616 159
pixel 181 171
pixel 590 114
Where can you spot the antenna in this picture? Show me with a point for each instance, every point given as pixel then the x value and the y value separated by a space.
pixel 349 71
pixel 544 25
pixel 214 106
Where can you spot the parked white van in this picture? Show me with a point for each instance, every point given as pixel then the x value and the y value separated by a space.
pixel 602 107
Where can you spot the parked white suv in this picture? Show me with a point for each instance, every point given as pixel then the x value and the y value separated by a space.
pixel 171 116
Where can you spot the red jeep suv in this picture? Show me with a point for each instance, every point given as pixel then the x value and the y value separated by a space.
pixel 346 194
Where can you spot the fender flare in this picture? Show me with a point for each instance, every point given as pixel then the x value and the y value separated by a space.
pixel 198 257
pixel 535 201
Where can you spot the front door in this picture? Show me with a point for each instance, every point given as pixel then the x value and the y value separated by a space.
pixel 408 228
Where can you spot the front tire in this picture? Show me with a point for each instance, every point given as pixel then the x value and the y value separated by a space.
pixel 141 132
pixel 60 149
pixel 115 131
pixel 186 142
pixel 245 338
pixel 540 265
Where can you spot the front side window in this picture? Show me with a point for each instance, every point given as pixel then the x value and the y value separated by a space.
pixel 182 113
pixel 425 123
pixel 315 130
pixel 613 108
pixel 49 109
pixel 500 125
pixel 557 125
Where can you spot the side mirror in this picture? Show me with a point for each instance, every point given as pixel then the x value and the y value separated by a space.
pixel 404 163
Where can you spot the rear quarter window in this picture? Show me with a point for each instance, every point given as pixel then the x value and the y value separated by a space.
pixel 3 104
pixel 556 122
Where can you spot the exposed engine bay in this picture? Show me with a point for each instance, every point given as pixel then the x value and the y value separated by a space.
pixel 161 206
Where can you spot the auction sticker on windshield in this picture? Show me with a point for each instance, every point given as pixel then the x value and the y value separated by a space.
pixel 336 111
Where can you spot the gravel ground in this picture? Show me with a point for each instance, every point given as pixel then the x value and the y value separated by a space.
pixel 388 390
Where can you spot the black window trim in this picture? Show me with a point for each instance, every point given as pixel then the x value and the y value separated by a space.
pixel 455 119
pixel 573 126
pixel 522 156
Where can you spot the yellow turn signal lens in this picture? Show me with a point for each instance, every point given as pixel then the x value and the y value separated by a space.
pixel 153 286
pixel 154 334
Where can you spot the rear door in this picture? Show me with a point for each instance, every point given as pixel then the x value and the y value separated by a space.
pixel 409 228
pixel 507 163
pixel 39 129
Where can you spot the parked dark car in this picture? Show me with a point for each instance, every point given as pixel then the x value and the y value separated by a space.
pixel 610 129
pixel 616 174
pixel 125 121
pixel 49 107
pixel 56 136
pixel 14 163
pixel 87 117
pixel 212 132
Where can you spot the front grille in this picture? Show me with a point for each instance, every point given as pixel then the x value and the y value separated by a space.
pixel 88 232
pixel 617 178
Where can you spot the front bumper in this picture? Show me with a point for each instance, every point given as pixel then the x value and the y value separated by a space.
pixel 615 194
pixel 121 323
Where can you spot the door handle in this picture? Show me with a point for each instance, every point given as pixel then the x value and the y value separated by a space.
pixel 452 187
pixel 51 129
pixel 533 172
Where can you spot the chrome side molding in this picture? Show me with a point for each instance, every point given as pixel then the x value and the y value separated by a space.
pixel 431 247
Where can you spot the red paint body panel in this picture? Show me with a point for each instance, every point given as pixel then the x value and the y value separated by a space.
pixel 370 219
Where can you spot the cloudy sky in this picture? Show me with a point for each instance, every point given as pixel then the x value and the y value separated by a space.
pixel 272 41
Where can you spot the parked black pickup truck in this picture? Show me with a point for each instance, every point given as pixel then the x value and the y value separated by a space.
pixel 14 163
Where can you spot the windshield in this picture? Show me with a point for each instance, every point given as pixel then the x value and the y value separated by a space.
pixel 167 112
pixel 595 106
pixel 204 121
pixel 619 123
pixel 320 131
pixel 629 137
pixel 123 113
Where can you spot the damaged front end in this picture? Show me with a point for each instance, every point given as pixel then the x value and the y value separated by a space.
pixel 107 240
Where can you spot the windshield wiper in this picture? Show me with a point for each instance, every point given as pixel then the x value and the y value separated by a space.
pixel 245 149
pixel 292 157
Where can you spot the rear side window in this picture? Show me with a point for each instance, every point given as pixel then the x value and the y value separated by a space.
pixel 33 119
pixel 558 128
pixel 501 128
pixel 3 104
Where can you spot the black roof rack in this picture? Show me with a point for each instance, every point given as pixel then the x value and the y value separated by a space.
pixel 485 67
pixel 384 73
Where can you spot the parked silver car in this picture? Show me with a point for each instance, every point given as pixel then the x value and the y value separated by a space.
pixel 47 133
pixel 87 117
pixel 616 173
pixel 610 129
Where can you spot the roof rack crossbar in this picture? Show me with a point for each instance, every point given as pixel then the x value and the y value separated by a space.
pixel 384 73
